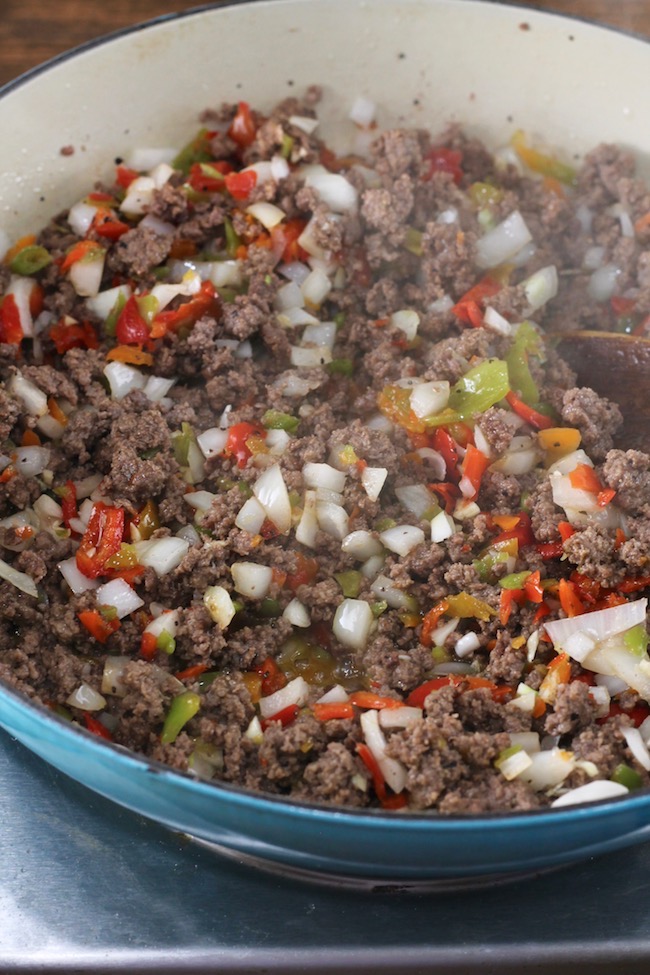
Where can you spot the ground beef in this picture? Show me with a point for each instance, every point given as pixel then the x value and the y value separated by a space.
pixel 290 520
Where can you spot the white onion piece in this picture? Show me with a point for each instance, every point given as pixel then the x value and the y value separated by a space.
pixel 467 644
pixel 602 623
pixel 392 769
pixel 31 461
pixel 189 533
pixel 332 518
pixel 402 539
pixel 528 740
pixel 251 579
pixel 199 500
pixel 323 476
pixel 103 303
pixel 407 321
pixel 139 195
pixel 404 717
pixel 279 168
pixel 213 441
pixel 114 668
pixel 442 527
pixel 162 554
pixel 450 215
pixel 353 620
pixel 251 516
pixel 493 320
pixel 624 219
pixel 80 217
pixel 160 227
pixel 316 287
pixel 579 645
pixel 442 305
pixel 18 579
pixel 277 442
pixel 541 287
pixel 335 695
pixel 268 214
pixel 363 112
pixel 440 634
pixel 502 243
pixel 593 258
pixel 310 358
pixel 570 461
pixel 289 296
pixel 77 581
pixel 361 545
pixel 86 698
pixel 334 190
pixel 602 283
pixel 373 480
pixel 157 387
pixel 121 596
pixel 85 487
pixel 519 460
pixel 86 275
pixel 295 692
pixel 291 317
pixel 254 731
pixel 637 746
pixel 295 271
pixel 548 768
pixel 165 622
pixel 189 286
pixel 373 566
pixel 515 764
pixel 320 334
pixel 305 123
pixel 416 498
pixel 591 792
pixel 307 527
pixel 386 590
pixel 572 498
pixel 219 605
pixel 263 170
pixel 122 378
pixel 430 398
pixel 613 685
pixel 271 492
pixel 33 399
pixel 297 614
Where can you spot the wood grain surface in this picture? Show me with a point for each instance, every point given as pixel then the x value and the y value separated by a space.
pixel 32 31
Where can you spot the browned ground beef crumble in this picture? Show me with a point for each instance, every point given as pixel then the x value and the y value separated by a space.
pixel 408 241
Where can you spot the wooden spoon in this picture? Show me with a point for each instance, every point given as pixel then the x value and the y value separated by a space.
pixel 618 367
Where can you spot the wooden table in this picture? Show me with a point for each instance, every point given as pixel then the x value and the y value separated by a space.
pixel 32 31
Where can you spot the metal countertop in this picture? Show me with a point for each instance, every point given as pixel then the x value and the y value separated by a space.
pixel 87 887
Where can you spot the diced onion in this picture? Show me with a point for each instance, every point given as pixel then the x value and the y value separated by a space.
pixel 442 527
pixel 165 622
pixel 637 746
pixel 548 768
pixel 493 320
pixel 320 334
pixel 122 378
pixel 541 287
pixel 162 554
pixel 121 596
pixel 334 190
pixel 391 768
pixel 139 195
pixel 503 242
pixel 18 579
pixel 385 589
pixel 404 717
pixel 363 112
pixel 199 500
pixel 219 605
pixel 416 498
pixel 310 358
pixel 296 692
pixel 31 461
pixel 603 281
pixel 361 545
pixel 86 698
pixel 86 275
pixel 402 539
pixel 373 480
pixel 251 579
pixel 430 398
pixel 77 581
pixel 352 622
pixel 32 398
pixel 268 214
pixel 297 614
pixel 335 695
pixel 514 765
pixel 332 519
pixel 591 792
pixel 251 516
pixel 103 303
pixel 467 644
pixel 307 527
pixel 316 287
pixel 212 441
pixel 593 258
pixel 323 476
pixel 271 492
pixel 114 668
pixel 602 623
pixel 80 217
pixel 407 321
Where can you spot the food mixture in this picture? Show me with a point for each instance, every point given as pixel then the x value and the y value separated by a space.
pixel 295 493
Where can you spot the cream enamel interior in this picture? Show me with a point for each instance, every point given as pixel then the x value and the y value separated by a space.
pixel 425 62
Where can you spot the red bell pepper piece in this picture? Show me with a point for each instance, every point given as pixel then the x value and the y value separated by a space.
pixel 130 327
pixel 532 417
pixel 569 599
pixel 305 572
pixel 236 444
pixel 286 717
pixel 242 129
pixel 445 444
pixel 148 645
pixel 374 702
pixel 73 335
pixel 79 251
pixel 474 466
pixel 522 531
pixel 469 309
pixel 337 710
pixel 443 160
pixel 96 727
pixel 69 502
pixel 107 224
pixel 98 627
pixel 286 235
pixel 125 176
pixel 102 538
pixel 204 303
pixel 11 329
pixel 272 677
pixel 431 621
pixel 241 185
pixel 372 765
pixel 190 673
